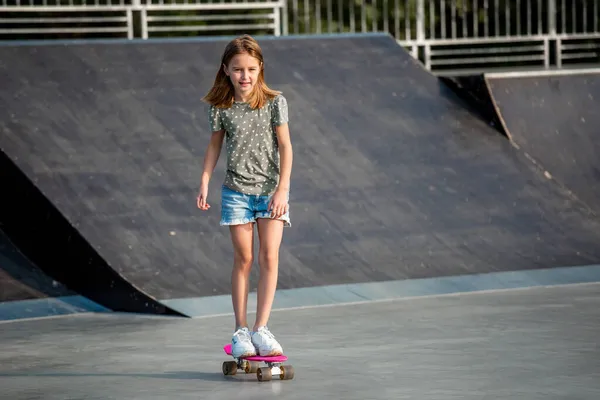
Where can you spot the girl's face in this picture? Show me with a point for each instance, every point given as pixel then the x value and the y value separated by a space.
pixel 243 70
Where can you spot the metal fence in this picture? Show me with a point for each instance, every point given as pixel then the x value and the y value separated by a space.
pixel 454 36
pixel 47 19
pixel 160 17
pixel 457 36
pixel 25 19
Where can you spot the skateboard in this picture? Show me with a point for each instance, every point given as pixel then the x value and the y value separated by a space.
pixel 251 365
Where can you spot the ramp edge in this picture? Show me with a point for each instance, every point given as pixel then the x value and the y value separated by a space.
pixel 48 307
pixel 393 290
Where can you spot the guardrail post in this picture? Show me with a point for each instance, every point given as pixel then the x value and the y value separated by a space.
pixel 420 21
pixel 552 16
pixel 422 49
pixel 559 52
pixel 277 20
pixel 284 17
pixel 144 22
pixel 129 15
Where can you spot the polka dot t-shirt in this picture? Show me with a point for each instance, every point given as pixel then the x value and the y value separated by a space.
pixel 251 142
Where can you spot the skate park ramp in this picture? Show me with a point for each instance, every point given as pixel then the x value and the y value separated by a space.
pixel 394 181
pixel 555 120
pixel 27 292
pixel 54 252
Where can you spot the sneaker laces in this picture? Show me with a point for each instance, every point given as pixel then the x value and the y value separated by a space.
pixel 267 332
pixel 242 334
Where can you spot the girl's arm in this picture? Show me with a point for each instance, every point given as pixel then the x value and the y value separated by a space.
pixel 210 161
pixel 285 157
pixel 213 151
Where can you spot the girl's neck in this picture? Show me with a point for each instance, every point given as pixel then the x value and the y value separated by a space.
pixel 239 99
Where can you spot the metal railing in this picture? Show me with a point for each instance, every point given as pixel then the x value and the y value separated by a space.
pixel 467 35
pixel 24 19
pixel 446 35
pixel 196 17
pixel 59 18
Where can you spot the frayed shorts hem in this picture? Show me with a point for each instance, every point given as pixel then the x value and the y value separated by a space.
pixel 242 221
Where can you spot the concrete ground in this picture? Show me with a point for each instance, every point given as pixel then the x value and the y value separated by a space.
pixel 538 343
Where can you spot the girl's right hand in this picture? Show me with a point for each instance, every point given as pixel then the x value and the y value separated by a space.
pixel 202 198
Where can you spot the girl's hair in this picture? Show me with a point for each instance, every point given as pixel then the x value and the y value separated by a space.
pixel 221 95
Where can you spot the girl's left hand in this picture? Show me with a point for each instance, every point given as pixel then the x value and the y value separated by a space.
pixel 278 205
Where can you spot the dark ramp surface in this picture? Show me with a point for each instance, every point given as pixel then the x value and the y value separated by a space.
pixel 26 291
pixel 393 178
pixel 556 120
pixel 43 236
pixel 20 279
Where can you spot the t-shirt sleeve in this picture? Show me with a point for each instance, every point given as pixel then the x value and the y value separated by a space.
pixel 280 111
pixel 214 119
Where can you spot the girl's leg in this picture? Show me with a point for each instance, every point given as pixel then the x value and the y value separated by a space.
pixel 270 233
pixel 242 237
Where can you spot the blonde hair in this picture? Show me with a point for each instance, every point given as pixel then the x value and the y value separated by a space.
pixel 222 93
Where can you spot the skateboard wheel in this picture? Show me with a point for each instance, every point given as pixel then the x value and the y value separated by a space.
pixel 229 368
pixel 287 372
pixel 251 367
pixel 263 374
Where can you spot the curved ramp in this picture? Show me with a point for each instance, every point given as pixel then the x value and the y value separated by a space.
pixel 27 292
pixel 393 178
pixel 43 248
pixel 22 280
pixel 556 119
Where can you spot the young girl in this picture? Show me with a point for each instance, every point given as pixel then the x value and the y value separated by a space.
pixel 253 119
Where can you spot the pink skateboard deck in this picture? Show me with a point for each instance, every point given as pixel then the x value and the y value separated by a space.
pixel 274 366
pixel 272 359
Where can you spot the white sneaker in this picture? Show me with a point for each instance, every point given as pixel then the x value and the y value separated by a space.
pixel 265 343
pixel 241 344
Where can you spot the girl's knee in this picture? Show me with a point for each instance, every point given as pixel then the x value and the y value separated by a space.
pixel 268 257
pixel 243 261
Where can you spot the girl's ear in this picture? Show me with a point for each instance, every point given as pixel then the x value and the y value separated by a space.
pixel 225 70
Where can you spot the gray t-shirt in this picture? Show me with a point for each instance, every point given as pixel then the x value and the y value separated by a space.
pixel 251 143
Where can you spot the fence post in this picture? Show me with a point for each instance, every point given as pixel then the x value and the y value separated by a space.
pixel 284 17
pixel 420 21
pixel 277 20
pixel 129 15
pixel 420 42
pixel 552 18
pixel 144 22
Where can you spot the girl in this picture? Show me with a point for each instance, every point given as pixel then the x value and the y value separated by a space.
pixel 254 120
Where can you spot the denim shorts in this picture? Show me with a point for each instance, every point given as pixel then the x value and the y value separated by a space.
pixel 239 208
